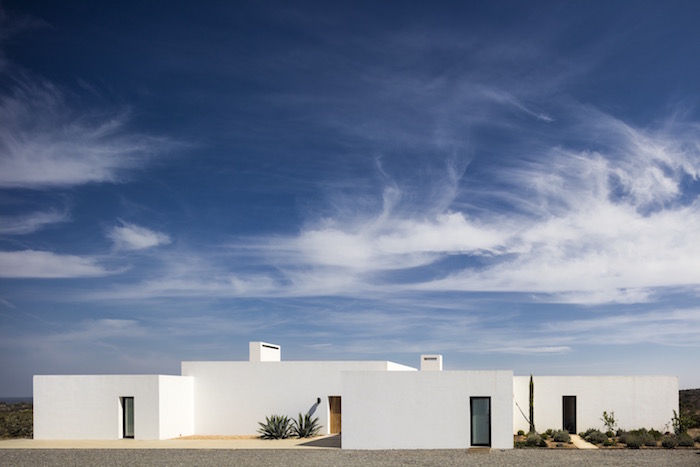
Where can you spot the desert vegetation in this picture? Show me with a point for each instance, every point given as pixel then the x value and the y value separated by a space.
pixel 282 427
pixel 682 430
pixel 15 420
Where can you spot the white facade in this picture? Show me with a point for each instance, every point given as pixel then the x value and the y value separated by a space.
pixel 90 406
pixel 638 401
pixel 423 410
pixel 232 397
pixel 376 404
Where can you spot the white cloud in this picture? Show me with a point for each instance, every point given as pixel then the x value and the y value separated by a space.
pixel 26 224
pixel 47 265
pixel 133 237
pixel 44 143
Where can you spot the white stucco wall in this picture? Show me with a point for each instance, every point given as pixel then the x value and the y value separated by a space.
pixel 423 410
pixel 638 401
pixel 232 397
pixel 88 406
pixel 176 406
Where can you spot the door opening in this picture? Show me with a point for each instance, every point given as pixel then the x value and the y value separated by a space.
pixel 127 417
pixel 480 425
pixel 335 406
pixel 569 414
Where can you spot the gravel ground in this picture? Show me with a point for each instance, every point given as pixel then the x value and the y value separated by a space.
pixel 332 457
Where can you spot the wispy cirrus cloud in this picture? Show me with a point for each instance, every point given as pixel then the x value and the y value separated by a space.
pixel 29 223
pixel 47 143
pixel 48 265
pixel 129 236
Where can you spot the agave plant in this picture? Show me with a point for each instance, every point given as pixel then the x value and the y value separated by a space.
pixel 305 426
pixel 275 427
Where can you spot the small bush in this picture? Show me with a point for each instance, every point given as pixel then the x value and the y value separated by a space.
pixel 648 440
pixel 544 436
pixel 596 437
pixel 609 433
pixel 609 420
pixel 561 436
pixel 669 442
pixel 634 441
pixel 610 442
pixel 550 432
pixel 521 433
pixel 305 426
pixel 275 427
pixel 533 439
pixel 686 440
pixel 656 434
pixel 681 422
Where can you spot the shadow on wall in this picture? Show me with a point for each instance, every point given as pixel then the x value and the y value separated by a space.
pixel 313 408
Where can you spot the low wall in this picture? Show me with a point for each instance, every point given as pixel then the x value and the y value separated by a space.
pixel 638 401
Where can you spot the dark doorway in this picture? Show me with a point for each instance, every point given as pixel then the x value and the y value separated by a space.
pixel 569 417
pixel 128 417
pixel 480 425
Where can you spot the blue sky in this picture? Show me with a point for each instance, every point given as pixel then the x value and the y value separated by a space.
pixel 514 185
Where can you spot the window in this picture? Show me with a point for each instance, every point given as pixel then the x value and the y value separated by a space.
pixel 480 426
pixel 127 417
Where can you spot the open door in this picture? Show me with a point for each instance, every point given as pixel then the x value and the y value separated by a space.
pixel 480 425
pixel 569 415
pixel 334 406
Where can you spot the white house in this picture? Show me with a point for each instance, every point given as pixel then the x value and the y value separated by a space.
pixel 376 404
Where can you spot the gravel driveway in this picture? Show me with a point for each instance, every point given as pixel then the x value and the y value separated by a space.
pixel 332 457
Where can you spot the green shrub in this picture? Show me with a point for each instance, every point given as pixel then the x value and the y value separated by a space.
pixel 686 440
pixel 596 437
pixel 521 433
pixel 656 434
pixel 609 433
pixel 669 442
pixel 681 422
pixel 634 441
pixel 544 436
pixel 610 442
pixel 609 420
pixel 305 426
pixel 550 432
pixel 275 427
pixel 561 436
pixel 533 439
pixel 648 440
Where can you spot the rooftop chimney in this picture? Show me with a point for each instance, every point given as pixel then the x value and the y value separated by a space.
pixel 264 352
pixel 431 363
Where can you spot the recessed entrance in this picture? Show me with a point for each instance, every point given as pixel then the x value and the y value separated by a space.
pixel 127 417
pixel 480 425
pixel 569 415
pixel 334 409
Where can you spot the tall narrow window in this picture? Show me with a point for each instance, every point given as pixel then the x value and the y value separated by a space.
pixel 480 408
pixel 128 416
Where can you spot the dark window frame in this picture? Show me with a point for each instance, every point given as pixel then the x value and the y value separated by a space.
pixel 471 421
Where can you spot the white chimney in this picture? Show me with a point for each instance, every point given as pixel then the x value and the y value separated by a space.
pixel 264 352
pixel 431 363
